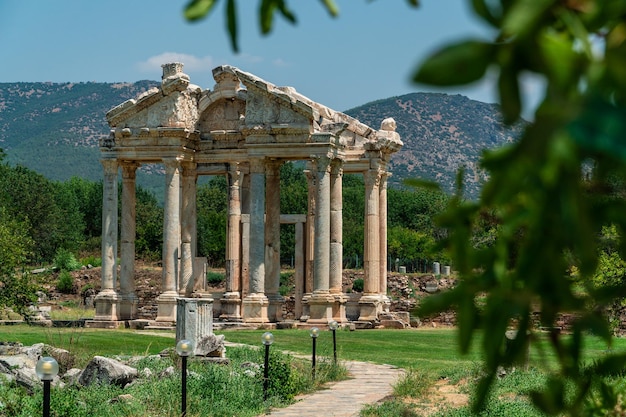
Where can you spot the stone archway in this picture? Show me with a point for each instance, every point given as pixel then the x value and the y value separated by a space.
pixel 244 128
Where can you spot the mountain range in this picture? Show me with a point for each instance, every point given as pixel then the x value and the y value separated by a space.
pixel 53 128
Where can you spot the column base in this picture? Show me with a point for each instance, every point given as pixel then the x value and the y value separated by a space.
pixel 320 308
pixel 339 308
pixel 128 307
pixel 231 307
pixel 369 307
pixel 385 304
pixel 107 308
pixel 255 308
pixel 306 311
pixel 275 307
pixel 166 312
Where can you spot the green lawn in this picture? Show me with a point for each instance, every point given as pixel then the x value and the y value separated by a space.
pixel 432 350
pixel 86 343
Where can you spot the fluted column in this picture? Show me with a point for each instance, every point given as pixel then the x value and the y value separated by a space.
pixel 171 238
pixel 336 241
pixel 255 303
pixel 245 234
pixel 107 299
pixel 188 229
pixel 231 300
pixel 321 301
pixel 336 224
pixel 371 257
pixel 309 239
pixel 383 240
pixel 272 240
pixel 128 301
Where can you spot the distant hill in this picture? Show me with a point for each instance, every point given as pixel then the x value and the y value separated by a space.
pixel 441 133
pixel 54 129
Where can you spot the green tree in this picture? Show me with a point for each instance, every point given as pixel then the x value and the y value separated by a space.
pixel 212 201
pixel 535 185
pixel 149 222
pixel 16 289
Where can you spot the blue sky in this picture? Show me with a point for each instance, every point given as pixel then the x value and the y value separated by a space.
pixel 367 53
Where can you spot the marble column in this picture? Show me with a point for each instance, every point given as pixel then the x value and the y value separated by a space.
pixel 309 240
pixel 255 304
pixel 171 239
pixel 299 270
pixel 272 240
pixel 188 229
pixel 336 241
pixel 245 234
pixel 370 300
pixel 382 211
pixel 128 300
pixel 320 303
pixel 231 300
pixel 107 299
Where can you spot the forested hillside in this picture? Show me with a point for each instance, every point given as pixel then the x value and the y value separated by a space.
pixel 54 130
pixel 441 133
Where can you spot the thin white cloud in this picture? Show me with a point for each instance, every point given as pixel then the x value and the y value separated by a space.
pixel 192 62
pixel 279 62
pixel 250 59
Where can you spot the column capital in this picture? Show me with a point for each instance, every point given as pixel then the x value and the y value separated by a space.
pixel 273 165
pixel 336 167
pixel 171 162
pixel 129 169
pixel 257 165
pixel 372 177
pixel 110 166
pixel 322 163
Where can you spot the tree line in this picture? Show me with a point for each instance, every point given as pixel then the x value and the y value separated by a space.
pixel 39 217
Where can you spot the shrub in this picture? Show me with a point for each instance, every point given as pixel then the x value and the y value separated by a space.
pixel 92 260
pixel 214 278
pixel 65 260
pixel 357 285
pixel 285 285
pixel 65 284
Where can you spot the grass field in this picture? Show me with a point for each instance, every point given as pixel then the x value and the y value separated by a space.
pixel 428 349
pixel 429 355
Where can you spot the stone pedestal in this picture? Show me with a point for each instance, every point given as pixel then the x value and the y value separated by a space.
pixel 339 308
pixel 107 306
pixel 194 319
pixel 320 308
pixel 107 311
pixel 231 307
pixel 166 312
pixel 255 308
pixel 275 307
pixel 369 306
pixel 128 307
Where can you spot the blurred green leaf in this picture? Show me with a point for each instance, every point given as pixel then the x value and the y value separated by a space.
pixel 525 16
pixel 199 9
pixel 231 22
pixel 331 7
pixel 456 64
pixel 484 10
pixel 266 14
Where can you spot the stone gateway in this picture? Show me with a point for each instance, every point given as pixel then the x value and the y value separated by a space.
pixel 245 129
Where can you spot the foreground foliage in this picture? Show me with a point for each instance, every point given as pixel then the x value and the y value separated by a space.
pixel 216 390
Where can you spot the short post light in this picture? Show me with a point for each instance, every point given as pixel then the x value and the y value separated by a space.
pixel 314 332
pixel 47 368
pixel 333 326
pixel 267 338
pixel 184 348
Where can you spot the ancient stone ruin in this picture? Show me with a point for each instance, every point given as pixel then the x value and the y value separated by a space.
pixel 245 128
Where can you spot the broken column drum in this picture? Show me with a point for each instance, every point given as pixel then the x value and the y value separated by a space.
pixel 244 128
